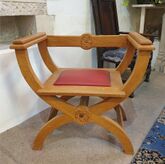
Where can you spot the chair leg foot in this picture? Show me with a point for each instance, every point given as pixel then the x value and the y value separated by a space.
pixel 132 95
pixel 116 130
pixel 49 127
pixel 36 146
pixel 147 80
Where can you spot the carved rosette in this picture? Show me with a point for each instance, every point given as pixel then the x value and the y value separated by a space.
pixel 86 41
pixel 82 115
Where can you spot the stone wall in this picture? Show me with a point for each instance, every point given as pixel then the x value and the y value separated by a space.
pixel 21 7
pixel 23 1
pixel 19 18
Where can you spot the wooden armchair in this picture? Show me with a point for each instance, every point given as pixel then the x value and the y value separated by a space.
pixel 65 83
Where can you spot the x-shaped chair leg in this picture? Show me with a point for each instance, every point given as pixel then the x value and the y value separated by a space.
pixel 81 115
pixel 48 128
pixel 53 111
pixel 116 130
pixel 121 116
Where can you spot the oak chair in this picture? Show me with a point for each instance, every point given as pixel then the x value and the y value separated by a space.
pixel 59 87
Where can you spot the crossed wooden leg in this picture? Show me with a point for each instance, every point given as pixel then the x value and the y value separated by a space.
pixel 121 116
pixel 82 115
pixel 117 131
pixel 53 111
pixel 49 127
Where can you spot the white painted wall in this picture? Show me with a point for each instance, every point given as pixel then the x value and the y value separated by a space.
pixel 124 17
pixel 72 17
pixel 17 100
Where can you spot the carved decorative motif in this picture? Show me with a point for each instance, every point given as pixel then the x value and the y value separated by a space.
pixel 86 41
pixel 82 115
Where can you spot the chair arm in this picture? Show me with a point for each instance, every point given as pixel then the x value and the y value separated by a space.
pixel 25 42
pixel 149 36
pixel 140 42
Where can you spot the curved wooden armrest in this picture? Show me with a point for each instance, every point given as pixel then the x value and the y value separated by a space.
pixel 149 36
pixel 20 46
pixel 144 47
pixel 24 43
pixel 135 42
pixel 140 39
pixel 140 42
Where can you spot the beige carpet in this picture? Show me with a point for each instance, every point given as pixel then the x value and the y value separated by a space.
pixel 73 144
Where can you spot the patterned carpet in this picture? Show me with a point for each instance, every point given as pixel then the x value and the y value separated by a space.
pixel 152 150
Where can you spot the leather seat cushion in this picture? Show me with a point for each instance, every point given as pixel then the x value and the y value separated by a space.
pixel 84 77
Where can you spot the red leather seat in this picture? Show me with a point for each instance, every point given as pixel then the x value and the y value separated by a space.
pixel 84 77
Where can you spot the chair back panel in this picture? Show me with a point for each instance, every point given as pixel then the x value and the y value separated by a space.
pixel 87 41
